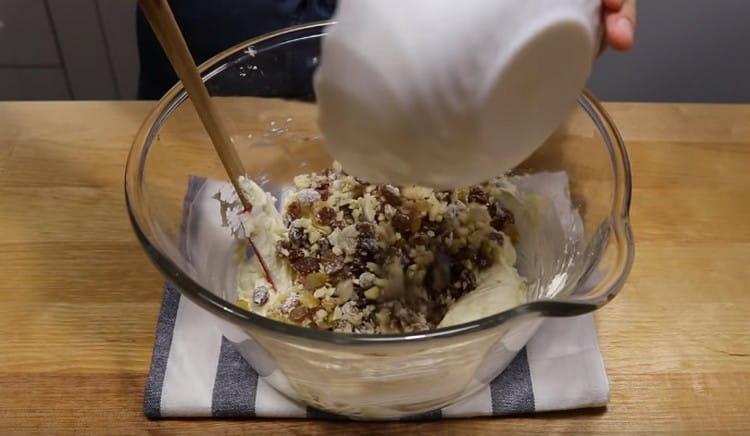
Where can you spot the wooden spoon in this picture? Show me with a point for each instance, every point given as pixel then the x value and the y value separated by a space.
pixel 162 21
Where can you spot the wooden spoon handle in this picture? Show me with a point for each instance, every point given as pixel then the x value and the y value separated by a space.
pixel 161 19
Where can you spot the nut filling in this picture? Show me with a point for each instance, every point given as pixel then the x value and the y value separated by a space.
pixel 367 258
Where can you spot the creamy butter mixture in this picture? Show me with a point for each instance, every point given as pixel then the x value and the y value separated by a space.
pixel 348 256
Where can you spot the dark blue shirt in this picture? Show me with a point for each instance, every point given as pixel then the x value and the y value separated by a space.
pixel 211 26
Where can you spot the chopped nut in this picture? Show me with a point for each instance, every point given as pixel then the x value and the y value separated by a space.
pixel 416 192
pixel 308 196
pixel 328 304
pixel 314 280
pixel 324 292
pixel 373 293
pixel 320 316
pixel 344 291
pixel 302 181
pixel 344 241
pixel 308 299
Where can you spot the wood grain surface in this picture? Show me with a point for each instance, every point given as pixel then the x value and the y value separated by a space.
pixel 79 299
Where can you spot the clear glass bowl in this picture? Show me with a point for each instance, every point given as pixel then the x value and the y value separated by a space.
pixel 576 251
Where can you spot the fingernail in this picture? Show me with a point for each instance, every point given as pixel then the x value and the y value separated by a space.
pixel 625 25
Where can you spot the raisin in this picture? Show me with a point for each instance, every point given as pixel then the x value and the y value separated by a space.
pixel 499 223
pixel 416 220
pixel 324 246
pixel 332 263
pixel 366 230
pixel 433 226
pixel 358 191
pixel 464 253
pixel 483 262
pixel 296 254
pixel 357 267
pixel 420 239
pixel 339 276
pixel 367 248
pixel 438 277
pixel 260 295
pixel 391 195
pixel 500 215
pixel 435 316
pixel 497 237
pixel 360 302
pixel 326 215
pixel 384 256
pixel 298 313
pixel 401 222
pixel 324 191
pixel 294 210
pixel 305 265
pixel 495 209
pixel 298 237
pixel 456 269
pixel 468 280
pixel 477 195
pixel 286 249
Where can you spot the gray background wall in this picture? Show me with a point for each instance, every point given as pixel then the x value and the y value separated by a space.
pixel 687 50
pixel 63 49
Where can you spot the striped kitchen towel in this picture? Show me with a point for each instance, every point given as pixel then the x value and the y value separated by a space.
pixel 196 372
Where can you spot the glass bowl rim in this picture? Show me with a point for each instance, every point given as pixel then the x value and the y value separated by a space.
pixel 619 222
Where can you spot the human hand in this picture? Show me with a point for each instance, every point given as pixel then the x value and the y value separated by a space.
pixel 619 23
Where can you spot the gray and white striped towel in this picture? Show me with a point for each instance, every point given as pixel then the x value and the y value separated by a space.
pixel 196 372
